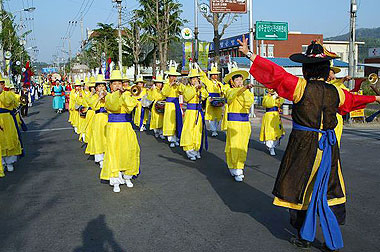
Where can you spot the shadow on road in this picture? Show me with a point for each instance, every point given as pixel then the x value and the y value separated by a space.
pixel 240 197
pixel 98 237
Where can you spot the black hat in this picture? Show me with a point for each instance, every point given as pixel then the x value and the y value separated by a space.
pixel 315 53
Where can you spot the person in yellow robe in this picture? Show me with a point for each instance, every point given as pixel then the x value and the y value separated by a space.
pixel 97 142
pixel 90 101
pixel 239 100
pixel 155 95
pixel 11 142
pixel 215 89
pixel 141 114
pixel 194 129
pixel 121 160
pixel 74 104
pixel 340 84
pixel 83 107
pixel 172 126
pixel 271 127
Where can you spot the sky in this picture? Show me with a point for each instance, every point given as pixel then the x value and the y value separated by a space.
pixel 50 20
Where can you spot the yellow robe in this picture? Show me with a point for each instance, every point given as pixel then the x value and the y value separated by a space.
pixel 212 113
pixel 271 126
pixel 90 100
pixel 122 148
pixel 169 125
pixel 156 119
pixel 238 133
pixel 46 89
pixel 191 136
pixel 11 145
pixel 339 127
pixel 81 101
pixel 224 123
pixel 74 102
pixel 137 114
pixel 97 142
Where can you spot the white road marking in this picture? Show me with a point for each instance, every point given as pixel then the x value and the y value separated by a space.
pixel 43 130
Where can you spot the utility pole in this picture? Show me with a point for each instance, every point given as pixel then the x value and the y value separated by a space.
pixel 251 46
pixel 81 30
pixel 196 32
pixel 119 30
pixel 70 58
pixel 352 47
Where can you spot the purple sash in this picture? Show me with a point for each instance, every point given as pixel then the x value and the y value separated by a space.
pixel 238 117
pixel 119 118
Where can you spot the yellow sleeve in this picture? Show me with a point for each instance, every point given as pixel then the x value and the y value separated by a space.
pixel 299 90
pixel 151 94
pixel 113 102
pixel 204 94
pixel 128 102
pixel 188 93
pixel 268 102
pixel 7 99
pixel 231 94
pixel 166 89
pixel 246 99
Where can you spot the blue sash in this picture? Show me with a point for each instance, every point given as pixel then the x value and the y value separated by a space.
pixel 178 115
pixel 198 106
pixel 238 117
pixel 101 110
pixel 3 111
pixel 213 95
pixel 57 94
pixel 142 114
pixel 23 125
pixel 318 203
pixel 119 118
pixel 272 109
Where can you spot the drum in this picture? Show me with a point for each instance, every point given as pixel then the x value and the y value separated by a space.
pixel 217 101
pixel 160 107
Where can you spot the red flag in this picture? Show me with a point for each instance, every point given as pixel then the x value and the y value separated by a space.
pixel 358 83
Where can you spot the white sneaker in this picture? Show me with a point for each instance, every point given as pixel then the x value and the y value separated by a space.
pixel 177 143
pixel 10 167
pixel 214 134
pixel 128 182
pixel 142 128
pixel 101 164
pixel 272 152
pixel 162 137
pixel 190 155
pixel 172 145
pixel 239 178
pixel 116 188
pixel 156 135
pixel 198 154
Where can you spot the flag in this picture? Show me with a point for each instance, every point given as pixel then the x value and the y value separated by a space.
pixel 108 70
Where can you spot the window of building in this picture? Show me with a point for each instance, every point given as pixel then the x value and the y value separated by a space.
pixel 263 50
pixel 304 48
pixel 270 51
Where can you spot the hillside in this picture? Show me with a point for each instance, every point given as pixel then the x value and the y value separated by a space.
pixel 371 37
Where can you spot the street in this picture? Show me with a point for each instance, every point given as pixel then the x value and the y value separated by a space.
pixel 54 200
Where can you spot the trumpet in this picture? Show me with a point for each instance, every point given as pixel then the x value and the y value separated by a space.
pixel 373 78
pixel 135 90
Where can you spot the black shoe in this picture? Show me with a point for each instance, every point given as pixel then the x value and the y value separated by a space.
pixel 326 249
pixel 300 243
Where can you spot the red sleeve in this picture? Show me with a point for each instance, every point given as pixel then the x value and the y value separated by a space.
pixel 353 102
pixel 275 77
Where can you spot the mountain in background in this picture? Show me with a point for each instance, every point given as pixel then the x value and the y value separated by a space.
pixel 371 37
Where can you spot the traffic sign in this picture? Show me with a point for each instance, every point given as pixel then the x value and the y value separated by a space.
pixel 267 30
pixel 228 6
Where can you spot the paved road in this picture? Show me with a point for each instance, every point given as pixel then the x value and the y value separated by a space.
pixel 54 201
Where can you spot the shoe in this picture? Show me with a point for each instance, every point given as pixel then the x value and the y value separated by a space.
pixel 10 167
pixel 272 152
pixel 116 188
pixel 142 128
pixel 177 143
pixel 198 154
pixel 162 137
pixel 238 178
pixel 156 135
pixel 101 164
pixel 128 182
pixel 172 145
pixel 300 243
pixel 214 134
pixel 326 249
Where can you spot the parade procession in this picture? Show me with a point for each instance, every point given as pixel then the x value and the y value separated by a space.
pixel 175 125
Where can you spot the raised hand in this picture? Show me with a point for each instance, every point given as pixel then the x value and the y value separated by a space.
pixel 243 45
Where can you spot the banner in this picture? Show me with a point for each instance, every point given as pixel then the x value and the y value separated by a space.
pixel 204 49
pixel 187 55
pixel 359 112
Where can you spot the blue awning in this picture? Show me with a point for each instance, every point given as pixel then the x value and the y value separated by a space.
pixel 284 62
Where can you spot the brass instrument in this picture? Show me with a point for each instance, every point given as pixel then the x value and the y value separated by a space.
pixel 23 100
pixel 373 78
pixel 135 90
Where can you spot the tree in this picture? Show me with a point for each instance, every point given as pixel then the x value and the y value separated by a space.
pixel 162 21
pixel 216 20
